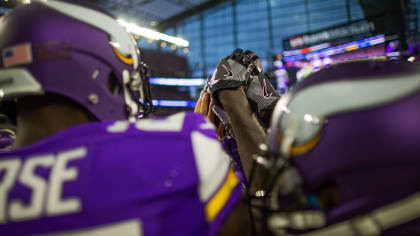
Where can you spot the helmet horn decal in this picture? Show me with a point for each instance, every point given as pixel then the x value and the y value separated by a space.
pixel 301 149
pixel 120 56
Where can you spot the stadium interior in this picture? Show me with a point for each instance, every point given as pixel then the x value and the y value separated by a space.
pixel 183 41
pixel 197 33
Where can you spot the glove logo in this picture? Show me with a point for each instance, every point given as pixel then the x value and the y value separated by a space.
pixel 229 72
pixel 213 80
pixel 265 92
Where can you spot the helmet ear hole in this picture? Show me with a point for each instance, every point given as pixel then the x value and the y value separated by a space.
pixel 113 84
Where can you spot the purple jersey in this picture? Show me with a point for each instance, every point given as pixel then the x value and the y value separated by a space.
pixel 231 147
pixel 153 177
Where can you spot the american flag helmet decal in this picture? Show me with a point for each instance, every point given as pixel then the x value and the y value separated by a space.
pixel 17 55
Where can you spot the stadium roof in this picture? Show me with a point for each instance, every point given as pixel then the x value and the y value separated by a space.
pixel 155 13
pixel 159 14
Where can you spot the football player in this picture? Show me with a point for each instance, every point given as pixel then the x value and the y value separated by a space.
pixel 239 99
pixel 343 154
pixel 71 71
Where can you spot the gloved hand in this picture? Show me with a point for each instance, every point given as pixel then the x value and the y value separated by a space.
pixel 261 94
pixel 247 72
pixel 232 72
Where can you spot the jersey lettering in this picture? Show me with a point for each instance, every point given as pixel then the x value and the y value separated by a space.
pixel 173 123
pixel 28 178
pixel 41 189
pixel 118 127
pixel 10 168
pixel 59 175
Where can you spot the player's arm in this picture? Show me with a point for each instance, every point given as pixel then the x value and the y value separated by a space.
pixel 238 221
pixel 248 131
pixel 242 90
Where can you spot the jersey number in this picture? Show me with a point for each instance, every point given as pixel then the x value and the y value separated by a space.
pixel 173 123
pixel 16 210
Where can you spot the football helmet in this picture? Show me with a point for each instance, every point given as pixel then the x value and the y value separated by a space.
pixel 343 153
pixel 73 50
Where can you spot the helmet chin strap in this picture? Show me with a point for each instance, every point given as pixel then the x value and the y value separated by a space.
pixel 288 140
pixel 133 82
pixel 290 135
pixel 138 85
pixel 370 224
pixel 132 106
pixel 298 220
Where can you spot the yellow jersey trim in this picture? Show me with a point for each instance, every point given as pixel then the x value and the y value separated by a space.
pixel 215 205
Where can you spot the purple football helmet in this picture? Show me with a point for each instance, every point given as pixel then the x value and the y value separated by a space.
pixel 75 51
pixel 343 153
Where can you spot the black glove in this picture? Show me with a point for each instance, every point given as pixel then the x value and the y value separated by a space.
pixel 261 94
pixel 241 69
pixel 232 72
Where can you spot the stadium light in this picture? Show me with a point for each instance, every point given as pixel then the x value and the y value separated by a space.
pixel 174 103
pixel 191 82
pixel 151 34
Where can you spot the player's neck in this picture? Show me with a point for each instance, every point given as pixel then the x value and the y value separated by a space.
pixel 35 126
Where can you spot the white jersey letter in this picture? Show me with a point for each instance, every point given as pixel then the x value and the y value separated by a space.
pixel 18 211
pixel 56 205
pixel 10 167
